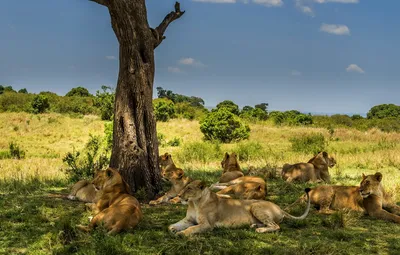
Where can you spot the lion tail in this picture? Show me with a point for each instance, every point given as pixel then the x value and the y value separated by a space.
pixel 301 199
pixel 302 217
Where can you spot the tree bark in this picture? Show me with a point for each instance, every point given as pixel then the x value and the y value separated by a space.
pixel 135 145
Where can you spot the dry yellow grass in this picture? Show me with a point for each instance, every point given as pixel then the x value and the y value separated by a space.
pixel 47 138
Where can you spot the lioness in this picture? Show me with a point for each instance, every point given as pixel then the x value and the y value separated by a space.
pixel 117 208
pixel 246 187
pixel 230 168
pixel 166 163
pixel 206 210
pixel 83 191
pixel 179 181
pixel 315 170
pixel 376 202
pixel 328 198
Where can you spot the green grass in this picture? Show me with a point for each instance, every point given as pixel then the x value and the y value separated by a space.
pixel 34 221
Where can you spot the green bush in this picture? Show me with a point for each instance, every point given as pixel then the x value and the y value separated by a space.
pixel 161 139
pixel 199 152
pixel 40 104
pixel 224 126
pixel 229 106
pixel 108 131
pixel 15 102
pixel 78 92
pixel 164 109
pixel 248 151
pixel 384 111
pixel 175 142
pixel 23 91
pixel 83 164
pixel 15 151
pixel 105 102
pixel 310 144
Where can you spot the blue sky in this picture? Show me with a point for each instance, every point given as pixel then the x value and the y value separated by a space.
pixel 331 56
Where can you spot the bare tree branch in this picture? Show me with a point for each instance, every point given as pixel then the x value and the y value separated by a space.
pixel 101 2
pixel 160 30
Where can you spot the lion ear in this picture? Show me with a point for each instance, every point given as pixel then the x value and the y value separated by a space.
pixel 378 176
pixel 363 176
pixel 325 154
pixel 202 185
pixel 109 172
pixel 180 173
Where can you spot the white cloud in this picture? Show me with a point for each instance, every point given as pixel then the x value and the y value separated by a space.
pixel 216 1
pixel 295 73
pixel 354 68
pixel 269 3
pixel 111 57
pixel 335 29
pixel 190 62
pixel 304 9
pixel 337 1
pixel 173 69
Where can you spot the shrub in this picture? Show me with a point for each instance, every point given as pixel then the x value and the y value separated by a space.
pixel 224 126
pixel 23 91
pixel 82 164
pixel 277 117
pixel 105 102
pixel 253 114
pixel 15 102
pixel 357 117
pixel 303 119
pixel 161 139
pixel 310 144
pixel 164 109
pixel 174 142
pixel 248 151
pixel 78 92
pixel 384 111
pixel 40 104
pixel 229 106
pixel 15 151
pixel 199 151
pixel 108 131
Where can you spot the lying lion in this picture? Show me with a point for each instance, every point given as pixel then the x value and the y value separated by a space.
pixel 246 187
pixel 83 191
pixel 116 207
pixel 328 198
pixel 376 202
pixel 230 168
pixel 315 170
pixel 206 210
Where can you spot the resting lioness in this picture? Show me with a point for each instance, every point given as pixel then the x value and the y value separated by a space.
pixel 246 187
pixel 83 191
pixel 230 168
pixel 376 202
pixel 328 198
pixel 315 170
pixel 117 208
pixel 179 181
pixel 206 210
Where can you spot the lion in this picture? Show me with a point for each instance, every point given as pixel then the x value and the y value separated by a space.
pixel 315 170
pixel 116 207
pixel 179 181
pixel 230 168
pixel 376 202
pixel 329 198
pixel 246 187
pixel 206 211
pixel 166 163
pixel 83 191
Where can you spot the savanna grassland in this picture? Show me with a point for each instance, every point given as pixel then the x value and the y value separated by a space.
pixel 34 220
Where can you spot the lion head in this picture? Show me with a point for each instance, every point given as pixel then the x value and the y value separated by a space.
pixel 371 185
pixel 323 159
pixel 230 163
pixel 193 191
pixel 331 162
pixel 109 179
pixel 176 174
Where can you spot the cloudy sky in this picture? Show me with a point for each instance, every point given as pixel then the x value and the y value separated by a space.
pixel 331 56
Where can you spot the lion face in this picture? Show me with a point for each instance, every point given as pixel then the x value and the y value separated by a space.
pixel 331 162
pixel 193 191
pixel 370 184
pixel 105 178
pixel 173 175
pixel 164 161
pixel 230 162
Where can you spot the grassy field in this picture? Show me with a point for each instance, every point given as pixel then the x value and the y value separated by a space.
pixel 34 221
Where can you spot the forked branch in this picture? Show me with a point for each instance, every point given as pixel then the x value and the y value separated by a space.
pixel 160 30
pixel 101 2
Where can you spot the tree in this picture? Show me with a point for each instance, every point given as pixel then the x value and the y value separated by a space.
pixel 6 89
pixel 262 106
pixel 40 104
pixel 384 111
pixel 78 92
pixel 105 101
pixel 229 105
pixel 164 109
pixel 1 89
pixel 135 145
pixel 23 91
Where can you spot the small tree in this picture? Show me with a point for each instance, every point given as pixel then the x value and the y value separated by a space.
pixel 384 111
pixel 23 91
pixel 105 101
pixel 228 105
pixel 222 125
pixel 40 104
pixel 78 92
pixel 164 109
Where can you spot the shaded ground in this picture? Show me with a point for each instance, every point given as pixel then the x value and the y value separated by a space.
pixel 33 222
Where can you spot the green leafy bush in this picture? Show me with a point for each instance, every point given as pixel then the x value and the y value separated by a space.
pixel 15 151
pixel 224 126
pixel 384 111
pixel 78 92
pixel 310 144
pixel 249 151
pixel 229 105
pixel 175 142
pixel 15 102
pixel 164 109
pixel 40 104
pixel 105 102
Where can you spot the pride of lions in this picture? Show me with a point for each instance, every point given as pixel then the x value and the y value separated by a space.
pixel 236 200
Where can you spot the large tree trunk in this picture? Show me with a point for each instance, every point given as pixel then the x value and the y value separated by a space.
pixel 135 145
